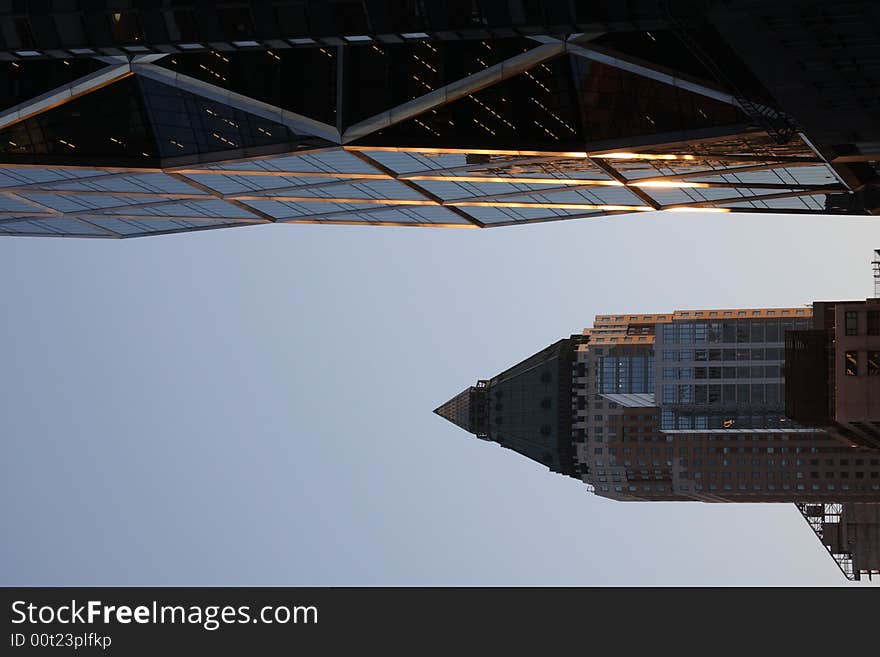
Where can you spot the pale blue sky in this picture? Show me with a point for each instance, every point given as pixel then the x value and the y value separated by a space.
pixel 253 406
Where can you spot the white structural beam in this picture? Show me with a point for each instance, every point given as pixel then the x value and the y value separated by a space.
pixel 64 94
pixel 645 70
pixel 297 123
pixel 455 90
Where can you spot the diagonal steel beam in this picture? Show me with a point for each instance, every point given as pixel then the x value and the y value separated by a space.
pixel 10 217
pixel 733 171
pixel 520 192
pixel 292 188
pixel 208 190
pixel 744 199
pixel 483 165
pixel 156 217
pixel 262 157
pixel 85 222
pixel 644 69
pixel 415 187
pixel 97 192
pixel 455 90
pixel 278 173
pixel 297 123
pixel 619 177
pixel 63 94
pixel 633 186
pixel 46 185
pixel 321 216
pixel 31 202
pixel 402 224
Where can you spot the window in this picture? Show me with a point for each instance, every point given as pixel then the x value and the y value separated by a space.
pixel 874 322
pixel 851 363
pixel 874 363
pixel 852 322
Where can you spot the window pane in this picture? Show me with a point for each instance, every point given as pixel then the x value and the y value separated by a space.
pixel 729 332
pixel 757 332
pixel 874 322
pixel 852 322
pixel 757 393
pixel 874 363
pixel 851 363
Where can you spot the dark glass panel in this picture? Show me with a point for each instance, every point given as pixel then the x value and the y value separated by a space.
pixel 70 29
pixel 617 104
pixel 23 80
pixel 137 121
pixel 535 109
pixel 236 23
pixel 186 124
pixel 659 47
pixel 21 36
pixel 185 22
pixel 349 18
pixel 106 126
pixel 562 104
pixel 382 76
pixel 302 80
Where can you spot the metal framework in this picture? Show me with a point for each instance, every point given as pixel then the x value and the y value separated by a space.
pixel 726 169
pixel 817 516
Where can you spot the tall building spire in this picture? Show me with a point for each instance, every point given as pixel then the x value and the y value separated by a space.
pixel 708 405
pixel 464 410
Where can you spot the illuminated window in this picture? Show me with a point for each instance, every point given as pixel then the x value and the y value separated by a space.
pixel 851 363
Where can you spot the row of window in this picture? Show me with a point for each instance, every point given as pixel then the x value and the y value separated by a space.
pixel 785 474
pixel 684 452
pixel 740 487
pixel 872 322
pixel 686 420
pixel 730 332
pixel 784 487
pixel 729 355
pixel 852 366
pixel 739 461
pixel 739 372
pixel 699 462
pixel 728 393
pixel 625 374
pixel 830 446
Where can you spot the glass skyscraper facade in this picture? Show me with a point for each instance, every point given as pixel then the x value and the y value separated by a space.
pixel 128 119
pixel 726 372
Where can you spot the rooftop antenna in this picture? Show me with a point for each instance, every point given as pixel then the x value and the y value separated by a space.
pixel 876 265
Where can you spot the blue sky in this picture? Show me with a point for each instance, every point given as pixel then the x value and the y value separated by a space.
pixel 253 406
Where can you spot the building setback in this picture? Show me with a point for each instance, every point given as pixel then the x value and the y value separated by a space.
pixel 127 119
pixel 690 406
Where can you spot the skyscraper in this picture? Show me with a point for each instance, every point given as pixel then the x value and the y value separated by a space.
pixel 129 118
pixel 691 406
